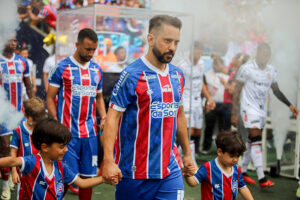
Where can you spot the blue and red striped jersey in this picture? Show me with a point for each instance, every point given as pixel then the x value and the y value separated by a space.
pixel 78 87
pixel 12 73
pixel 149 100
pixel 36 183
pixel 21 140
pixel 217 184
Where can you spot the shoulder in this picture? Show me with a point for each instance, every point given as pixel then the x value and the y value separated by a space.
pixel 95 66
pixel 64 63
pixel 174 69
pixel 17 57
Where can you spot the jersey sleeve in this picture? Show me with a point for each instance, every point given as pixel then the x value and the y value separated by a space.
pixel 242 74
pixel 26 68
pixel 55 79
pixel 123 92
pixel 99 87
pixel 69 175
pixel 28 163
pixel 43 13
pixel 241 179
pixel 201 174
pixel 15 142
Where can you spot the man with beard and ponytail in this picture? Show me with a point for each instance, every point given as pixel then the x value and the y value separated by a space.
pixel 78 82
pixel 14 71
pixel 145 115
pixel 254 79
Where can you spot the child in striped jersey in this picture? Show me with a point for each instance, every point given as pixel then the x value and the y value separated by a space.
pixel 21 143
pixel 221 178
pixel 43 174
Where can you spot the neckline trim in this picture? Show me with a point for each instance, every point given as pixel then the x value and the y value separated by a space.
pixel 152 67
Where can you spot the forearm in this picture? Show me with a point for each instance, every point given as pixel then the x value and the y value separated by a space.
pixel 182 133
pixel 191 181
pixel 277 92
pixel 51 107
pixel 45 80
pixel 205 92
pixel 245 193
pixel 10 162
pixel 28 86
pixel 101 106
pixel 89 182
pixel 236 98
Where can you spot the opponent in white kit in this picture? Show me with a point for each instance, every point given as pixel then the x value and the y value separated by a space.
pixel 198 87
pixel 254 79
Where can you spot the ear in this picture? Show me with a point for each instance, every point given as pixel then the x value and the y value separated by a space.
pixel 44 147
pixel 219 151
pixel 150 38
pixel 77 44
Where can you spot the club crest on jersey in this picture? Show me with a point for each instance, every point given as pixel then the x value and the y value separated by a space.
pixel 96 78
pixel 268 75
pixel 20 67
pixel 234 185
pixel 59 188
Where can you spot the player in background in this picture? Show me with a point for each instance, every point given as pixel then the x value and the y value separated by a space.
pixel 254 79
pixel 49 65
pixel 21 143
pixel 24 52
pixel 222 178
pixel 44 174
pixel 14 71
pixel 78 82
pixel 145 116
pixel 198 87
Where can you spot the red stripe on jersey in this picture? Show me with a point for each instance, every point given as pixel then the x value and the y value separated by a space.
pixel 141 143
pixel 29 180
pixel 50 192
pixel 117 145
pixel 206 188
pixel 85 81
pixel 13 86
pixel 94 109
pixel 182 84
pixel 61 169
pixel 20 146
pixel 66 118
pixel 227 192
pixel 167 133
pixel 177 156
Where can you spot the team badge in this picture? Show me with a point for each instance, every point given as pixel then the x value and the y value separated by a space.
pixel 234 186
pixel 96 78
pixel 59 188
pixel 200 68
pixel 20 67
pixel 268 75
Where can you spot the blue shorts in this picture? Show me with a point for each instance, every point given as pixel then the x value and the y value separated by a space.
pixel 170 187
pixel 82 156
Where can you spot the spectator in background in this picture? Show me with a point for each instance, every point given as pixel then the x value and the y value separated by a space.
pixel 78 3
pixel 46 12
pixel 66 4
pixel 120 53
pixel 221 111
pixel 106 56
pixel 49 65
pixel 24 52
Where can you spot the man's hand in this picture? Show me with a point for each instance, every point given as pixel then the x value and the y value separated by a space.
pixel 189 166
pixel 210 105
pixel 102 123
pixel 111 173
pixel 294 110
pixel 234 120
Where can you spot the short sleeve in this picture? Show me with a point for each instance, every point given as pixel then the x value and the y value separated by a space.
pixel 69 175
pixel 123 92
pixel 47 65
pixel 201 174
pixel 27 69
pixel 242 74
pixel 28 163
pixel 55 78
pixel 15 142
pixel 241 179
pixel 99 87
pixel 43 12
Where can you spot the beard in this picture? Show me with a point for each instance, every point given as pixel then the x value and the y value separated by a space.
pixel 84 58
pixel 161 57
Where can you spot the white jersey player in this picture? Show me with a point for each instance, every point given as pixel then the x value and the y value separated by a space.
pixel 254 79
pixel 194 111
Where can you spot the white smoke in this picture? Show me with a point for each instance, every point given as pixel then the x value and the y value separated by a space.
pixel 8 25
pixel 280 21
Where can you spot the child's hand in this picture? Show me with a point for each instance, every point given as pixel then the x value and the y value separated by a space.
pixel 15 177
pixel 112 181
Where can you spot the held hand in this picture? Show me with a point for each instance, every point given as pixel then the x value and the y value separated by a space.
pixel 189 166
pixel 222 80
pixel 234 120
pixel 15 178
pixel 210 105
pixel 294 110
pixel 111 173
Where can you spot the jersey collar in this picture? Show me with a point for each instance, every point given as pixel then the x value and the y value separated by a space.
pixel 86 65
pixel 152 67
pixel 220 168
pixel 6 59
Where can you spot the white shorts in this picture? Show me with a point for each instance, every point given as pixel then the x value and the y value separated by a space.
pixel 253 120
pixel 196 117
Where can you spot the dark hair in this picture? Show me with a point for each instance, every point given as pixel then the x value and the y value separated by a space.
pixel 50 131
pixel 87 33
pixel 35 108
pixel 158 20
pixel 231 142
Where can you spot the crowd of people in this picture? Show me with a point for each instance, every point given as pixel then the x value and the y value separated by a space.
pixel 152 106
